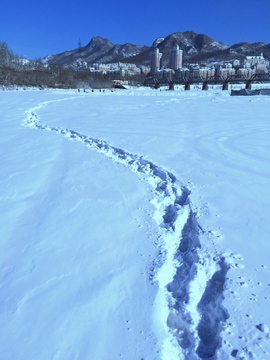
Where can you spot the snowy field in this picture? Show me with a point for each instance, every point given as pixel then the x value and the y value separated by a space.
pixel 134 225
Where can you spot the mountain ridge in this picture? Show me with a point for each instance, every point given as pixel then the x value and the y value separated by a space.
pixel 196 48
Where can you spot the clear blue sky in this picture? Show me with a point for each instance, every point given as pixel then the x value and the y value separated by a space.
pixel 34 29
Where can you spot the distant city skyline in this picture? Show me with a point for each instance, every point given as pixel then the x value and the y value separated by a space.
pixel 37 29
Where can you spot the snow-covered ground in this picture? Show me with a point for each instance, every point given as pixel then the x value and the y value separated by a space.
pixel 134 225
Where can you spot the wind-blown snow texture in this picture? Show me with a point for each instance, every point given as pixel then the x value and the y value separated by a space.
pixel 177 289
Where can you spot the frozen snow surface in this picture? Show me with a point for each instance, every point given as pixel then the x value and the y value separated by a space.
pixel 134 225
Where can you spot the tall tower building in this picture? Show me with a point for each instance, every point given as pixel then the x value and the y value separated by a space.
pixel 176 58
pixel 155 61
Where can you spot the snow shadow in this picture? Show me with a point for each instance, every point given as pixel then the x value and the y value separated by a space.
pixel 213 314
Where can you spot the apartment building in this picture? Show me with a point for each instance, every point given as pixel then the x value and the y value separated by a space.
pixel 156 57
pixel 176 58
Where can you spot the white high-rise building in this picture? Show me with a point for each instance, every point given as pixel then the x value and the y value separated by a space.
pixel 155 60
pixel 176 58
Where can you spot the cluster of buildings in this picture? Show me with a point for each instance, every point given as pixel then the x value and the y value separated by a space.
pixel 259 63
pixel 123 69
pixel 175 61
pixel 252 65
pixel 120 68
pixel 116 69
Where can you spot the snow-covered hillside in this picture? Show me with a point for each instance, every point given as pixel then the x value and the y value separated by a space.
pixel 134 225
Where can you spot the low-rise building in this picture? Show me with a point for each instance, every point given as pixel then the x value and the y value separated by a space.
pixel 259 63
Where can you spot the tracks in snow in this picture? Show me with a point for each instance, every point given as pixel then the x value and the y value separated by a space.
pixel 194 284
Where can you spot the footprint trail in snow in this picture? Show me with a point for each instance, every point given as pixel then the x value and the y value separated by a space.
pixel 190 279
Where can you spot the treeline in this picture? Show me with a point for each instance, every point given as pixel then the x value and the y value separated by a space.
pixel 16 71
